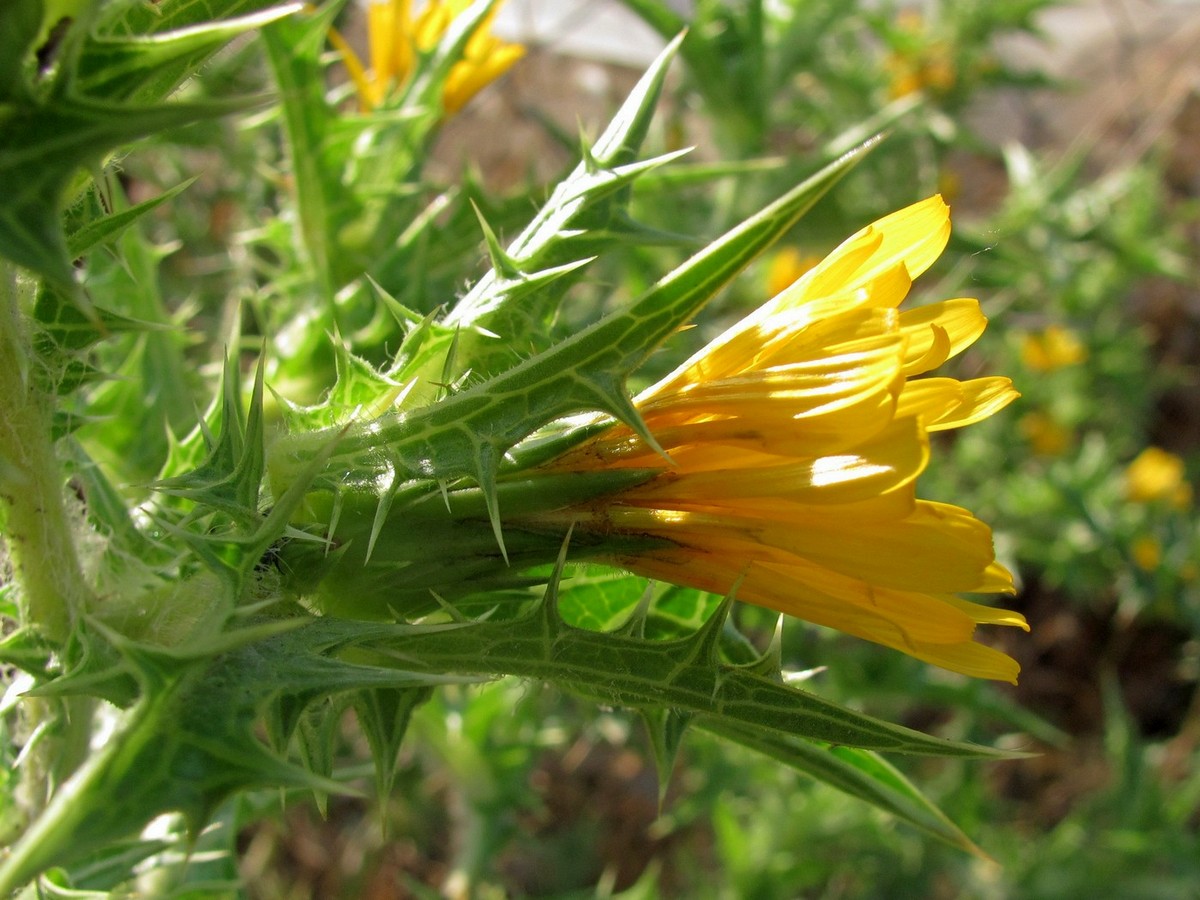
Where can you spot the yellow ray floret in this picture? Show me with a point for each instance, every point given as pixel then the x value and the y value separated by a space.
pixel 395 38
pixel 796 439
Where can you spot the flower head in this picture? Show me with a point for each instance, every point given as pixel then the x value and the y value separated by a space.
pixel 1147 552
pixel 919 63
pixel 786 266
pixel 1157 476
pixel 1046 435
pixel 1054 348
pixel 395 38
pixel 795 439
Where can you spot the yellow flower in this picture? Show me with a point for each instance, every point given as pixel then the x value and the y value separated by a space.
pixel 1155 476
pixel 795 441
pixel 919 64
pixel 395 38
pixel 1147 552
pixel 786 266
pixel 1054 348
pixel 1045 434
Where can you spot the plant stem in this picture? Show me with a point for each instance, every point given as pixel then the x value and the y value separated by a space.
pixel 37 531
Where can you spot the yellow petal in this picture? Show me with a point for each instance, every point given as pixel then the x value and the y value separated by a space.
pixel 914 237
pixel 431 24
pixel 801 590
pixel 973 659
pixel 468 79
pixel 384 29
pixel 788 590
pixel 951 326
pixel 937 548
pixel 987 615
pixel 981 397
pixel 810 387
pixel 892 459
pixel 900 620
pixel 366 87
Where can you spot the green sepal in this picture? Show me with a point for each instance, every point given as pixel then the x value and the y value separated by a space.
pixel 423 541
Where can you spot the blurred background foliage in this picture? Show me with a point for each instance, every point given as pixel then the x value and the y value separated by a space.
pixel 1081 243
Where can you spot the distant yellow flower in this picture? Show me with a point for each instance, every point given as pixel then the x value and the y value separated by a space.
pixel 395 38
pixel 1045 434
pixel 949 184
pixel 1147 552
pixel 1054 348
pixel 1158 476
pixel 796 438
pixel 922 65
pixel 786 266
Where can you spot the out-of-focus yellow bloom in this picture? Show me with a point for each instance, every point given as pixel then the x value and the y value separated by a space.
pixel 1045 434
pixel 1158 476
pixel 1054 348
pixel 795 440
pixel 949 184
pixel 925 66
pixel 786 266
pixel 395 38
pixel 1147 552
pixel 932 71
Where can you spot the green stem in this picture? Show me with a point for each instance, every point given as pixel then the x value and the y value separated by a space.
pixel 37 531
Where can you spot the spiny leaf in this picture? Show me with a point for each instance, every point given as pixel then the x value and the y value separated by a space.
pixel 580 219
pixel 230 477
pixel 857 772
pixel 107 228
pixel 64 328
pixel 188 744
pixel 624 671
pixel 502 263
pixel 769 664
pixel 86 54
pixel 20 21
pixel 384 714
pixel 666 728
pixel 42 147
pixel 578 374
pixel 559 216
pixel 123 66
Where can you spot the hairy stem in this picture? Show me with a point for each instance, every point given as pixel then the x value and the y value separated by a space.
pixel 37 530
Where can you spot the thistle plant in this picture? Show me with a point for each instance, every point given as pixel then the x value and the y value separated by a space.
pixel 397 485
